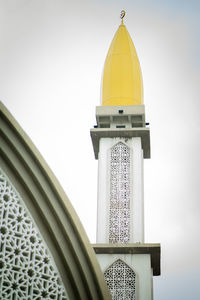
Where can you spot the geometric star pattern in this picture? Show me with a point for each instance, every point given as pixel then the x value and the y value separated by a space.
pixel 119 212
pixel 120 279
pixel 27 270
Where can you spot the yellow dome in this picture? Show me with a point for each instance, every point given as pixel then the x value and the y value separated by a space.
pixel 122 77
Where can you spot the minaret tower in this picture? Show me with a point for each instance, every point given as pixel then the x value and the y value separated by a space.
pixel 121 141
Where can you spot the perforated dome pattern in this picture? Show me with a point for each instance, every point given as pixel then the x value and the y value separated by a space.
pixel 27 270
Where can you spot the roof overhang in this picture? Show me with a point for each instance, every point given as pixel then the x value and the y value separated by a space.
pixel 137 248
pixel 143 133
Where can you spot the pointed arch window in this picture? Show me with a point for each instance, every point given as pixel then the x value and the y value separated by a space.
pixel 121 281
pixel 119 213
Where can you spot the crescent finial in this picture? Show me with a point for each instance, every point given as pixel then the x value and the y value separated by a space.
pixel 122 15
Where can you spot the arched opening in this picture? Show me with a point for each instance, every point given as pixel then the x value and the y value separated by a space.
pixel 121 281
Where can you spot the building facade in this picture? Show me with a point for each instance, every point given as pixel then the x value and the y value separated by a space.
pixel 121 140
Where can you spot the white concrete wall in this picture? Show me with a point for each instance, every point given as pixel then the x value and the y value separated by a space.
pixel 141 265
pixel 137 206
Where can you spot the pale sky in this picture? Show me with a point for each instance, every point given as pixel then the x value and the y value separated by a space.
pixel 52 54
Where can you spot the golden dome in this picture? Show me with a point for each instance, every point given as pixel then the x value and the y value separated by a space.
pixel 122 77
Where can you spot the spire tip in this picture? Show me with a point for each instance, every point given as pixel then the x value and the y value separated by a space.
pixel 122 15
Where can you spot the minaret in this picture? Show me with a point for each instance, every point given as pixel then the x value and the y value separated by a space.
pixel 121 141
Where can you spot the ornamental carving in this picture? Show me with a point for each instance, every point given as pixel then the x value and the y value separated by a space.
pixel 120 279
pixel 27 270
pixel 119 213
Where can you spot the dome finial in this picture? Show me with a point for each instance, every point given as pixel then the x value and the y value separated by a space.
pixel 122 15
pixel 122 77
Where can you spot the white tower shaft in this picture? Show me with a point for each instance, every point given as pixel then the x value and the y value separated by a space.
pixel 120 212
pixel 121 141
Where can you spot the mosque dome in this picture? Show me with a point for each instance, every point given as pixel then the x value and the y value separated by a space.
pixel 45 253
pixel 122 77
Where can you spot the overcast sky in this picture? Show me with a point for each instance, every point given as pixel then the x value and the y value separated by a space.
pixel 52 54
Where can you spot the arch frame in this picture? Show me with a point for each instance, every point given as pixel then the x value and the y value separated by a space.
pixel 52 212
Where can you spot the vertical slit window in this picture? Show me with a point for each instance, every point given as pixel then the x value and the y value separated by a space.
pixel 119 214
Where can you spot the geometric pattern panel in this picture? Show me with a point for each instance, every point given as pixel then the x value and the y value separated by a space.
pixel 27 270
pixel 120 279
pixel 119 212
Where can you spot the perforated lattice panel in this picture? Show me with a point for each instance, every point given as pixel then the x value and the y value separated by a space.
pixel 119 214
pixel 120 279
pixel 27 270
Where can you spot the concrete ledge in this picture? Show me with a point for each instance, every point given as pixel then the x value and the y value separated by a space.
pixel 114 110
pixel 144 133
pixel 152 249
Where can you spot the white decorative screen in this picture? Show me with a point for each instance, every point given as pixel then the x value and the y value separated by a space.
pixel 119 214
pixel 120 279
pixel 27 271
